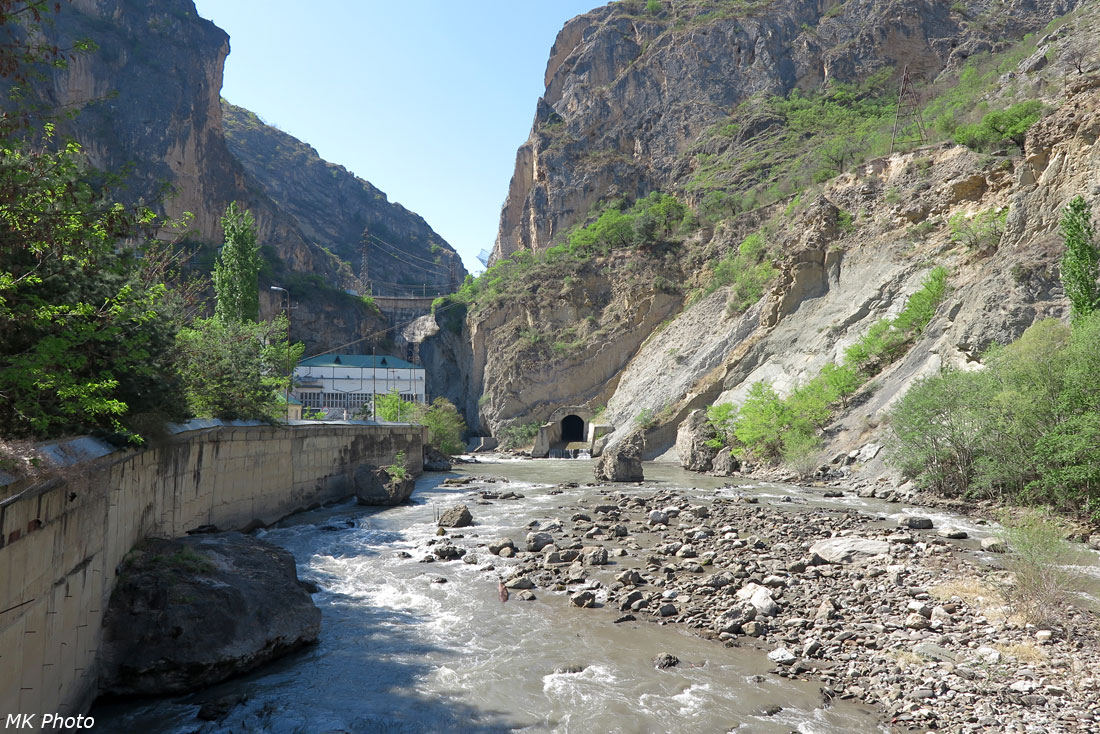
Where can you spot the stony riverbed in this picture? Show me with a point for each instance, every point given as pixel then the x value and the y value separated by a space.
pixel 898 613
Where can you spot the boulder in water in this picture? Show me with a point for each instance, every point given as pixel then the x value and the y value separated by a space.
pixel 692 442
pixel 456 517
pixel 623 461
pixel 191 612
pixel 375 486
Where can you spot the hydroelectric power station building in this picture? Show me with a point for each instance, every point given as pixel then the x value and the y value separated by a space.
pixel 339 382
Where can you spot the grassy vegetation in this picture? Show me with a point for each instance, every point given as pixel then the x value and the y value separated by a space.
pixel 772 428
pixel 518 435
pixel 398 469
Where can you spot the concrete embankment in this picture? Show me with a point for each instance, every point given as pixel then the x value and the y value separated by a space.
pixel 62 539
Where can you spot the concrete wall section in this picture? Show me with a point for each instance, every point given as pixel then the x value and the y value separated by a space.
pixel 62 540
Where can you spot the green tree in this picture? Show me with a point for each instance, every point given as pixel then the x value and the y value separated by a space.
pixel 762 420
pixel 445 426
pixel 236 369
pixel 393 408
pixel 84 332
pixel 237 269
pixel 999 126
pixel 723 419
pixel 1081 262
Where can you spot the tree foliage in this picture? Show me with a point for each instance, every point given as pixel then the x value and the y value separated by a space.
pixel 237 269
pixel 1001 126
pixel 445 426
pixel 1081 261
pixel 393 408
pixel 1026 427
pixel 236 369
pixel 86 337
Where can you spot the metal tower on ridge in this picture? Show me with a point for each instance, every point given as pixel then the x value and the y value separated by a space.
pixel 908 114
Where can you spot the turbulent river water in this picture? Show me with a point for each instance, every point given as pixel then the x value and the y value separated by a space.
pixel 402 652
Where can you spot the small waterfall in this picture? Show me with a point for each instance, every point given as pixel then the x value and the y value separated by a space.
pixel 570 454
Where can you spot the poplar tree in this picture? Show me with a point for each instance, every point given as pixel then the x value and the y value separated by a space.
pixel 237 269
pixel 1081 263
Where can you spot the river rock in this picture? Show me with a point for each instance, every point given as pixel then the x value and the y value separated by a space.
pixel 190 612
pixel 374 486
pixel 496 546
pixel 537 541
pixel 434 460
pixel 994 545
pixel 782 656
pixel 724 463
pixel 915 522
pixel 665 660
pixel 583 599
pixel 691 442
pixel 456 517
pixel 846 550
pixel 622 462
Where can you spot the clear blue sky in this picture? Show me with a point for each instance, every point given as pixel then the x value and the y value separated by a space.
pixel 426 99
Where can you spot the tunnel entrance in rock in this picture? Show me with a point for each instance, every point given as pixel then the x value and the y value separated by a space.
pixel 572 429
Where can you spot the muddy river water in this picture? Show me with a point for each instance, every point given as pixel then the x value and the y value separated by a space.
pixel 415 647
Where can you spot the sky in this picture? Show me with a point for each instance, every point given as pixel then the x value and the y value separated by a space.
pixel 426 99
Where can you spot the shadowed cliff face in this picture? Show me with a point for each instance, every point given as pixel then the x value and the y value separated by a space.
pixel 339 211
pixel 148 107
pixel 629 92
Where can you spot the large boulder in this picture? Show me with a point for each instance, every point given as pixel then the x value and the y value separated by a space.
pixel 725 463
pixel 691 442
pixel 457 517
pixel 374 486
pixel 846 550
pixel 434 460
pixel 622 462
pixel 190 612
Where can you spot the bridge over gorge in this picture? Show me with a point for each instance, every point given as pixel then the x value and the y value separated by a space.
pixel 399 309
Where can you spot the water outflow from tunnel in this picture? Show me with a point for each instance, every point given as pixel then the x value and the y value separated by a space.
pixel 408 646
pixel 570 454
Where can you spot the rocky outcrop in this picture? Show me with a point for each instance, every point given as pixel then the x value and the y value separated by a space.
pixel 622 462
pixel 691 442
pixel 629 92
pixel 148 107
pixel 375 486
pixel 190 612
pixel 341 212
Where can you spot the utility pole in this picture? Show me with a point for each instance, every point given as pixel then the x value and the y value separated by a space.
pixel 289 370
pixel 364 264
pixel 908 114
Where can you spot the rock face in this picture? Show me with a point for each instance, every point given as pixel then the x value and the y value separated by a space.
pixel 638 101
pixel 623 462
pixel 336 209
pixel 691 442
pixel 640 87
pixel 190 612
pixel 149 104
pixel 375 486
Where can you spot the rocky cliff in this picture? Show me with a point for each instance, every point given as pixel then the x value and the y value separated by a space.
pixel 148 105
pixel 342 213
pixel 630 92
pixel 642 334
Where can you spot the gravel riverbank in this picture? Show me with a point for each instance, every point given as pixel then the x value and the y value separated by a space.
pixel 899 614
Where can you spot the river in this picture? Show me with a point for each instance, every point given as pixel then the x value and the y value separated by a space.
pixel 414 647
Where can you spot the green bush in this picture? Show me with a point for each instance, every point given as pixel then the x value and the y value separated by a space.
pixel 1027 427
pixel 1001 126
pixel 519 435
pixel 748 271
pixel 1081 261
pixel 722 418
pixel 398 469
pixel 979 231
pixel 393 408
pixel 445 426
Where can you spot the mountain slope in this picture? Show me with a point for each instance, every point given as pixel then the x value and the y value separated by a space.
pixel 339 211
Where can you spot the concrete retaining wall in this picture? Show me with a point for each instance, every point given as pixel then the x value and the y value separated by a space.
pixel 62 539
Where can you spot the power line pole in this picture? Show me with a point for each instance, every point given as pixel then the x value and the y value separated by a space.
pixel 364 264
pixel 908 115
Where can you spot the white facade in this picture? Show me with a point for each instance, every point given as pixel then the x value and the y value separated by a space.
pixel 348 382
